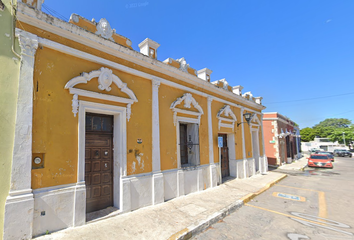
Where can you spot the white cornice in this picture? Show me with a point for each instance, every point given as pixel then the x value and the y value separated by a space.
pixel 77 34
pixel 150 42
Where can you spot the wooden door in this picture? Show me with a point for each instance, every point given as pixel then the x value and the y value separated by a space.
pixel 225 170
pixel 183 143
pixel 99 162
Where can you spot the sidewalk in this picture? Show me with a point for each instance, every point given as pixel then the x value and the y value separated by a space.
pixel 297 165
pixel 180 218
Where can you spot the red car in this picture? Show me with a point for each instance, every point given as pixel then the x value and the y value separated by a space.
pixel 319 160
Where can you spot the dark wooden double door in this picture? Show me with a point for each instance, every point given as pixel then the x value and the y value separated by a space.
pixel 99 162
pixel 225 169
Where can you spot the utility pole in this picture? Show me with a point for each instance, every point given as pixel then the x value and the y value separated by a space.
pixel 344 138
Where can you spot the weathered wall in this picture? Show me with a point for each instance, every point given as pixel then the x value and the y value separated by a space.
pixel 55 127
pixel 8 99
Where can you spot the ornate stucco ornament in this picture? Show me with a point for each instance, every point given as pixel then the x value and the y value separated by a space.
pixel 104 29
pixel 226 121
pixel 188 102
pixel 183 64
pixel 105 79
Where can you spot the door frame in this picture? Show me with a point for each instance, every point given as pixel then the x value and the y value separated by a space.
pixel 232 149
pixel 119 144
pixel 257 164
pixel 228 155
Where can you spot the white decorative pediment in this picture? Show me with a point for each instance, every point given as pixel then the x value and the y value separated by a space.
pixel 105 79
pixel 255 120
pixel 188 101
pixel 226 112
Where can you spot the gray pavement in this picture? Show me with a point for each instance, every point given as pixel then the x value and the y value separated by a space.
pixel 297 164
pixel 180 218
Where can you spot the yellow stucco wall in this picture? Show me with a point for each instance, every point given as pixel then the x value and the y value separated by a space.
pixel 55 123
pixel 8 100
pixel 55 127
pixel 168 133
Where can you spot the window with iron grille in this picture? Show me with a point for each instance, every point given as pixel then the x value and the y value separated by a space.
pixel 189 144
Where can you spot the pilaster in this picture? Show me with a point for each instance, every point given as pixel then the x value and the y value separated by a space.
pixel 212 169
pixel 157 178
pixel 20 203
pixel 156 165
pixel 245 165
pixel 264 167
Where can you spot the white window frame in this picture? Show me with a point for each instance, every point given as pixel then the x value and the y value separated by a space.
pixel 185 120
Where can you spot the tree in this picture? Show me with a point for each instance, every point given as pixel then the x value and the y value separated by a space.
pixel 307 134
pixel 337 135
pixel 331 128
pixel 334 122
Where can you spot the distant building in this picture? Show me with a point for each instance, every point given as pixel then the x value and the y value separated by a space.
pixel 322 143
pixel 281 139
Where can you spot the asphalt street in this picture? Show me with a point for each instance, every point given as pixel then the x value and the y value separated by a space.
pixel 310 204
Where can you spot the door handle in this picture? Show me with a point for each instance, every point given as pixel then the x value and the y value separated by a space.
pixel 105 165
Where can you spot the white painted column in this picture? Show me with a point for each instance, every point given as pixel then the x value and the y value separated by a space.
pixel 157 177
pixel 212 172
pixel 210 132
pixel 245 166
pixel 264 168
pixel 20 203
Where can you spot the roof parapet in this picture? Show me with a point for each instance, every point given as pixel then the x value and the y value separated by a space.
pixel 149 48
pixel 204 74
pixel 258 100
pixel 33 3
pixel 237 90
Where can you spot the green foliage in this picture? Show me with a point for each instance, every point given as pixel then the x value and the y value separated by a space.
pixel 334 122
pixel 331 128
pixel 307 134
pixel 337 135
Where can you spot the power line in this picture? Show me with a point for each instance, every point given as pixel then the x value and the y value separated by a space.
pixel 54 13
pixel 306 99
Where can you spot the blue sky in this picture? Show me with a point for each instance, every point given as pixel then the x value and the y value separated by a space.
pixel 298 55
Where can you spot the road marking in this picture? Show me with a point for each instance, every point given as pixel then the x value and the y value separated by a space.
pixel 289 196
pixel 295 236
pixel 284 214
pixel 322 206
pixel 306 221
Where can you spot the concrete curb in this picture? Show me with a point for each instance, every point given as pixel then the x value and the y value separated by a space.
pixel 194 229
pixel 250 196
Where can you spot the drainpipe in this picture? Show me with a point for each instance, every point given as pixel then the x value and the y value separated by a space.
pixel 12 30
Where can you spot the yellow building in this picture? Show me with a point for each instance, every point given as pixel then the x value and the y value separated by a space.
pixel 101 125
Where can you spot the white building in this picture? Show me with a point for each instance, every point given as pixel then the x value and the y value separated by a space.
pixel 322 143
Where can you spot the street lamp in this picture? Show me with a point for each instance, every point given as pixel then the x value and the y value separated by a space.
pixel 344 138
pixel 248 117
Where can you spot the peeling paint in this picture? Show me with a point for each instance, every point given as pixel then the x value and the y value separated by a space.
pixel 133 167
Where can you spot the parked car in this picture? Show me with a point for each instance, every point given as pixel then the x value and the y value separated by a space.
pixel 319 160
pixel 343 153
pixel 338 150
pixel 329 154
pixel 314 150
